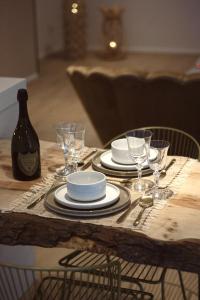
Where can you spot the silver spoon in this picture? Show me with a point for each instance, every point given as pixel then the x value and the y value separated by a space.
pixel 163 172
pixel 145 202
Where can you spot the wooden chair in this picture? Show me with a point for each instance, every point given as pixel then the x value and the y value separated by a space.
pixel 181 143
pixel 70 283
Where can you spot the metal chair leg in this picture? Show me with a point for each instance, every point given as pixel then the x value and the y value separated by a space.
pixel 182 285
pixel 163 290
pixel 162 282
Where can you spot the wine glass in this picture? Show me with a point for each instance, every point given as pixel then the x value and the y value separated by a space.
pixel 157 165
pixel 138 145
pixel 70 138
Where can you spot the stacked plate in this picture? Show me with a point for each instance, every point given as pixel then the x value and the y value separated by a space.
pixel 79 199
pixel 110 164
pixel 111 196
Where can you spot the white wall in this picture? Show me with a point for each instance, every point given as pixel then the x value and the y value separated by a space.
pixel 156 25
pixel 49 26
pixel 18 56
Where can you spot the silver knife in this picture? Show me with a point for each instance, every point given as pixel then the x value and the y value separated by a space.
pixel 128 211
pixel 85 166
pixel 52 188
pixel 82 161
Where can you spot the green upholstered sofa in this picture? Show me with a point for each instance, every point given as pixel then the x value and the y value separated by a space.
pixel 117 100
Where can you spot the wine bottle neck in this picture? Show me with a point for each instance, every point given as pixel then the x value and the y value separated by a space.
pixel 23 111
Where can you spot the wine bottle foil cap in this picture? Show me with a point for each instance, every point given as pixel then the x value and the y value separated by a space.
pixel 22 95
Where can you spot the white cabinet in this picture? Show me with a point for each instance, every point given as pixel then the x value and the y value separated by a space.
pixel 8 104
pixel 8 120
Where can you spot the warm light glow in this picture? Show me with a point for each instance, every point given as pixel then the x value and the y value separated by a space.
pixel 74 9
pixel 74 5
pixel 113 44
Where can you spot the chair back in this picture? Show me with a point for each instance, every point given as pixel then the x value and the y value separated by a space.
pixel 181 143
pixel 27 283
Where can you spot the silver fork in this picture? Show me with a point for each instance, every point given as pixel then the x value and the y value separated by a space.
pixel 54 186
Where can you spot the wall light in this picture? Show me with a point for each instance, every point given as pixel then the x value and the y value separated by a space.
pixel 74 8
pixel 113 44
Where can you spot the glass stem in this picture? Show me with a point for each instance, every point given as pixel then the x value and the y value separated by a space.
pixel 66 158
pixel 139 173
pixel 73 165
pixel 156 180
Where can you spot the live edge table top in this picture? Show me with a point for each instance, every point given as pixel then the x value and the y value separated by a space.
pixel 168 237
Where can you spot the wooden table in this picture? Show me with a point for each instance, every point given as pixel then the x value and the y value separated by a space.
pixel 172 238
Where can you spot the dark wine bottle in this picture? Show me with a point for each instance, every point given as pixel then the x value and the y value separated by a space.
pixel 25 147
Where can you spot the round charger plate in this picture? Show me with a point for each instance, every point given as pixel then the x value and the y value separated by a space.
pixel 107 161
pixel 112 195
pixel 98 166
pixel 123 202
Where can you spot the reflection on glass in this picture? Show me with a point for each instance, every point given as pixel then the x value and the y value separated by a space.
pixel 157 165
pixel 70 138
pixel 138 146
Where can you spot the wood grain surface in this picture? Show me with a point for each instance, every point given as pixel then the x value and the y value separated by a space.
pixel 171 239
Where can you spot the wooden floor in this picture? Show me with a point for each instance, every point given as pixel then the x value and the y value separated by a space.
pixel 53 99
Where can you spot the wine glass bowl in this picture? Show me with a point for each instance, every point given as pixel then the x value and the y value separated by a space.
pixel 70 138
pixel 158 164
pixel 138 146
pixel 120 153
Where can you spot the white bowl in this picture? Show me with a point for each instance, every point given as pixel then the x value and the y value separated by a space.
pixel 120 153
pixel 86 185
pixel 136 145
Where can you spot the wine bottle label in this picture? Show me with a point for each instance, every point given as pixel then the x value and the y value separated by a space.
pixel 28 163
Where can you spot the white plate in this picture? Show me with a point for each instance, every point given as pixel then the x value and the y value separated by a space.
pixel 112 195
pixel 106 160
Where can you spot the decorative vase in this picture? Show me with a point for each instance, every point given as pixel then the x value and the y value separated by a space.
pixel 112 31
pixel 75 28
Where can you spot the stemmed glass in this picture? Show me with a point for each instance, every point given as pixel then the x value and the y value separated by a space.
pixel 70 138
pixel 138 145
pixel 157 165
